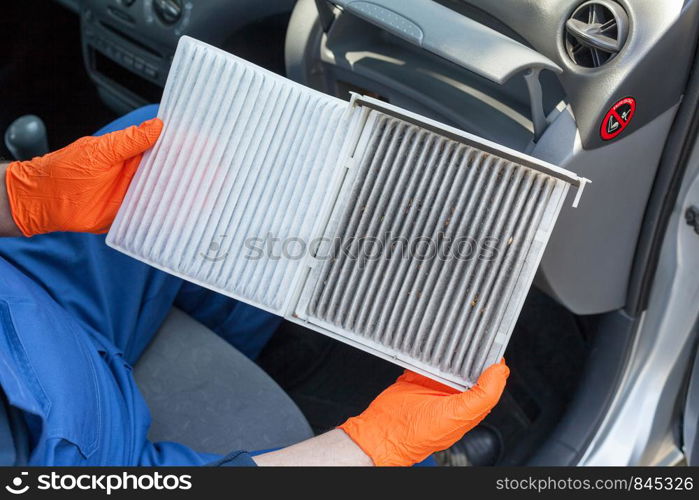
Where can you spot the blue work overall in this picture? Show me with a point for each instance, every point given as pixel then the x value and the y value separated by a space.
pixel 74 316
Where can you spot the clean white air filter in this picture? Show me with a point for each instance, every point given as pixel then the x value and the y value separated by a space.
pixel 389 231
pixel 244 153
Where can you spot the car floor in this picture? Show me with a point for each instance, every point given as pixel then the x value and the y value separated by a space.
pixel 331 381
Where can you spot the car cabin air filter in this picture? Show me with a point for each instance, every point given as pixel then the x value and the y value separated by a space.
pixel 399 235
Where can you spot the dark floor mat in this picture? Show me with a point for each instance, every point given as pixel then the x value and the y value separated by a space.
pixel 42 72
pixel 331 381
pixel 547 354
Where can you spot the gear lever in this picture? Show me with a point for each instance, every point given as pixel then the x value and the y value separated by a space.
pixel 26 137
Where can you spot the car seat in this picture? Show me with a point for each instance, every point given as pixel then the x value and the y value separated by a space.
pixel 205 394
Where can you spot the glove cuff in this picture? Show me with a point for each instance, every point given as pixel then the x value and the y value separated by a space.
pixel 374 443
pixel 14 197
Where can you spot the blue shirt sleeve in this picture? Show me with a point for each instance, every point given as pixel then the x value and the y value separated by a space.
pixel 167 454
pixel 235 459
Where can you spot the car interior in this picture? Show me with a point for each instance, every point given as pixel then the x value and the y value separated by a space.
pixel 78 64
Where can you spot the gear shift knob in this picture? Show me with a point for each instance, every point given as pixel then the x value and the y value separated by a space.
pixel 26 137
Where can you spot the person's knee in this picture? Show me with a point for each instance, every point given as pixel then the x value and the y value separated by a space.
pixel 134 117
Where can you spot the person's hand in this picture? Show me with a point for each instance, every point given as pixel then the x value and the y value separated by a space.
pixel 80 187
pixel 416 416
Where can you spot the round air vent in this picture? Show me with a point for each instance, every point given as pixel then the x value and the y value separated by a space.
pixel 596 32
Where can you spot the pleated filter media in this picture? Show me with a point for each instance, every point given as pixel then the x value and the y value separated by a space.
pixel 244 153
pixel 399 235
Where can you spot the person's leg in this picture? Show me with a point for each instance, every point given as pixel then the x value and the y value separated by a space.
pixel 246 327
pixel 135 117
pixel 111 294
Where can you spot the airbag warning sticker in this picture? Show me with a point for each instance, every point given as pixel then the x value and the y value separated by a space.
pixel 618 118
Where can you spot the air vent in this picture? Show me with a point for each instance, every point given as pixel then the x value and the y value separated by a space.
pixel 255 179
pixel 596 32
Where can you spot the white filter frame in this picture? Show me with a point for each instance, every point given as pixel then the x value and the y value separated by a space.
pixel 361 116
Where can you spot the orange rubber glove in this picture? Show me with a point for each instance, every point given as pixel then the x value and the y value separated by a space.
pixel 417 416
pixel 80 187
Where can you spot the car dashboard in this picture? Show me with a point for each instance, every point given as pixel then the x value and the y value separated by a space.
pixel 604 112
pixel 608 110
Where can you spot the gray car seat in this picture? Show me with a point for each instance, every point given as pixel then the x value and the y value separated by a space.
pixel 205 394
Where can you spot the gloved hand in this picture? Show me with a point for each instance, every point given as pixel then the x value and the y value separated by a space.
pixel 80 187
pixel 417 416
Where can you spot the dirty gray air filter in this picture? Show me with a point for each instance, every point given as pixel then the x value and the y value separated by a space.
pixel 399 235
